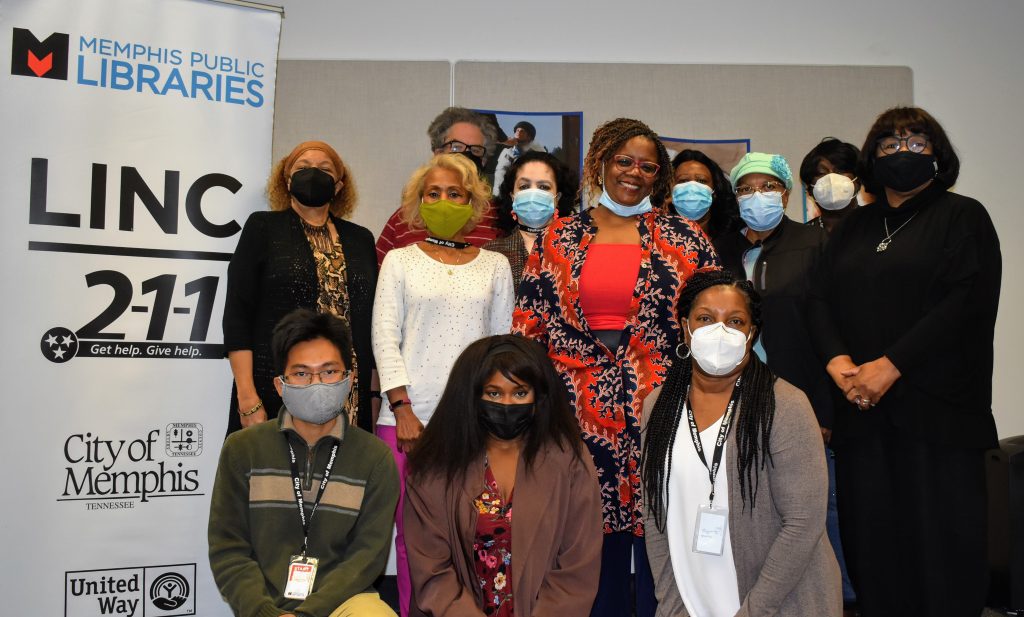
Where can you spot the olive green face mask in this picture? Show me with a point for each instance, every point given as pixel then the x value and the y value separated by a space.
pixel 445 218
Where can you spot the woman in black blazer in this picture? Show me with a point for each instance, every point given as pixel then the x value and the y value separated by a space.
pixel 300 254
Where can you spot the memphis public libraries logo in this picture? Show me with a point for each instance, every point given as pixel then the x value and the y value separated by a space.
pixel 109 473
pixel 147 591
pixel 136 66
pixel 34 58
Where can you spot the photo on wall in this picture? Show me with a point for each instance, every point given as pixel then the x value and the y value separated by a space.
pixel 558 133
pixel 725 152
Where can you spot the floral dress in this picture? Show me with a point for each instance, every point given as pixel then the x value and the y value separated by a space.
pixel 492 548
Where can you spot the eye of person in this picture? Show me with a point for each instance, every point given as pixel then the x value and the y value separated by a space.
pixel 771 187
pixel 522 393
pixel 301 374
pixel 433 194
pixel 522 186
pixel 545 186
pixel 454 194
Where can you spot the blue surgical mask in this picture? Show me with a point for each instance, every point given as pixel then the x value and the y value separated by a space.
pixel 761 211
pixel 621 210
pixel 534 207
pixel 692 199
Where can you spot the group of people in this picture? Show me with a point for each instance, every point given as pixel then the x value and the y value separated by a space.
pixel 698 405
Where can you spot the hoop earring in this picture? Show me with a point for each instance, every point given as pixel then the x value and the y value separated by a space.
pixel 681 356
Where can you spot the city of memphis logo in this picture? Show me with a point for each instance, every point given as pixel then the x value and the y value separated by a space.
pixel 34 58
pixel 145 591
pixel 118 473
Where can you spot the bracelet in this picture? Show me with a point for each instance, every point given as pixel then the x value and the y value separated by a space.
pixel 399 403
pixel 375 394
pixel 246 414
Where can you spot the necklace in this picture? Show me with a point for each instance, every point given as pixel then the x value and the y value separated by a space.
pixel 319 236
pixel 439 254
pixel 884 244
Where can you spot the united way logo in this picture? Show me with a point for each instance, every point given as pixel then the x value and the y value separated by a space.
pixel 169 591
pixel 34 58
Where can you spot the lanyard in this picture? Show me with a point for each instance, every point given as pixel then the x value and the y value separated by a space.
pixel 723 433
pixel 297 486
pixel 452 244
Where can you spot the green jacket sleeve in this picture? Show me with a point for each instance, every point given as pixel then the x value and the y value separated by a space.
pixel 236 572
pixel 369 541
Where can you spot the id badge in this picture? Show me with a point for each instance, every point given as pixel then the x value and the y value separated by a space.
pixel 301 574
pixel 709 535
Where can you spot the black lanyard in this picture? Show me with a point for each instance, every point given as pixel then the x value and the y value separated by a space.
pixel 452 244
pixel 297 486
pixel 531 230
pixel 723 433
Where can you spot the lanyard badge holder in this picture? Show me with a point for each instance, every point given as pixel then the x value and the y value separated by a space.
pixel 301 567
pixel 712 523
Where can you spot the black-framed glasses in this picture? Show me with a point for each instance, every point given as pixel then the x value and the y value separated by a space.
pixel 305 378
pixel 459 147
pixel 768 187
pixel 913 143
pixel 623 162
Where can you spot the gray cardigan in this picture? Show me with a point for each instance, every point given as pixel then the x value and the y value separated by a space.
pixel 784 562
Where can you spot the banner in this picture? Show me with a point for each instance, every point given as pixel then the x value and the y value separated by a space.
pixel 136 139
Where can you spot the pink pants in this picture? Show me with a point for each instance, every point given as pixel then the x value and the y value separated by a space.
pixel 388 435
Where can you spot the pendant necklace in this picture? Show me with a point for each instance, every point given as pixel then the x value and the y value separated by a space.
pixel 884 244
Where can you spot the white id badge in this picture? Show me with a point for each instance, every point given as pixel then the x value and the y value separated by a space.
pixel 301 574
pixel 709 535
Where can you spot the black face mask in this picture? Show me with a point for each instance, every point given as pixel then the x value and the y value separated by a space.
pixel 506 421
pixel 478 161
pixel 312 187
pixel 905 171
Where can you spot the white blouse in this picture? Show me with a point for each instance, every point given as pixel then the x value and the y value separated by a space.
pixel 707 583
pixel 425 313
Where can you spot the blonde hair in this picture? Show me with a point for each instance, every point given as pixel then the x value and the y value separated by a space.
pixel 478 189
pixel 341 205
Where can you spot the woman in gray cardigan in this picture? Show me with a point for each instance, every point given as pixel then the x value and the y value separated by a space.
pixel 759 548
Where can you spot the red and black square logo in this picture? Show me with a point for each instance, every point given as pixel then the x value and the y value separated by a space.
pixel 33 58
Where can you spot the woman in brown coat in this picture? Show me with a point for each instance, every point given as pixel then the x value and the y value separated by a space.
pixel 503 509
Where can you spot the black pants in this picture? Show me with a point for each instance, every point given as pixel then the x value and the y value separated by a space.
pixel 614 597
pixel 913 518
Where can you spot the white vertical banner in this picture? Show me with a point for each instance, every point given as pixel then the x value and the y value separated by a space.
pixel 135 138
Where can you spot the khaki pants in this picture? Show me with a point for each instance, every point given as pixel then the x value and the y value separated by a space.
pixel 364 605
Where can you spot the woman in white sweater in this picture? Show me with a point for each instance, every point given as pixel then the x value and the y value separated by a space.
pixel 433 299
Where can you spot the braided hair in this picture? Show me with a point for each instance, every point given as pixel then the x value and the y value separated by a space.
pixel 608 138
pixel 756 405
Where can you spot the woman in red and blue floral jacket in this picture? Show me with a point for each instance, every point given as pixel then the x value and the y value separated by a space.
pixel 600 291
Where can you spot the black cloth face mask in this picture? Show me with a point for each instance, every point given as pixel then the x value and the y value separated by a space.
pixel 312 187
pixel 506 421
pixel 905 171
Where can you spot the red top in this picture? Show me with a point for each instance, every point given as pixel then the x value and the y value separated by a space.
pixel 492 548
pixel 606 284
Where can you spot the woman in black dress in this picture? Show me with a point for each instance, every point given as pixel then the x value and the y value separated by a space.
pixel 903 311
pixel 300 254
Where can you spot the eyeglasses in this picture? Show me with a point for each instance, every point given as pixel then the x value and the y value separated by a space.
pixel 625 163
pixel 305 378
pixel 768 187
pixel 913 143
pixel 459 147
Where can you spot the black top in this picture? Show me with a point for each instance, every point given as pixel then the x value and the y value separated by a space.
pixel 928 303
pixel 782 276
pixel 272 273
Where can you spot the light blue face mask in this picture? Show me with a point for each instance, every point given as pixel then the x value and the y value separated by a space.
pixel 534 207
pixel 621 210
pixel 692 199
pixel 762 211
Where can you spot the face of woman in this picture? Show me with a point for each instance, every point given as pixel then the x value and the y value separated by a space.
pixel 320 160
pixel 724 304
pixel 500 389
pixel 763 183
pixel 693 171
pixel 628 176
pixel 441 183
pixel 535 175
